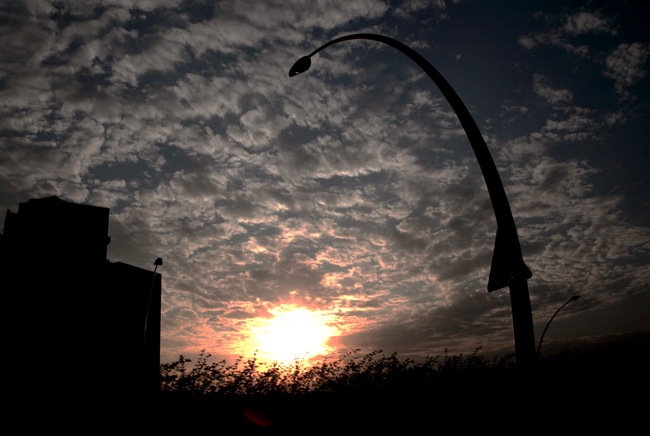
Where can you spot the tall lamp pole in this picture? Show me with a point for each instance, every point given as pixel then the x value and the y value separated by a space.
pixel 508 267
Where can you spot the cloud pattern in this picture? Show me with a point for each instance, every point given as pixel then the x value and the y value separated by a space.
pixel 350 190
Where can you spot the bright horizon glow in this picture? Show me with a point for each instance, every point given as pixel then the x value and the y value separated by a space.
pixel 293 332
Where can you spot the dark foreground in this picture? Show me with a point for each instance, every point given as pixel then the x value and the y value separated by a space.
pixel 602 390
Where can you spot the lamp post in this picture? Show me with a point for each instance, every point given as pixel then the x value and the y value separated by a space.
pixel 158 261
pixel 508 267
pixel 539 347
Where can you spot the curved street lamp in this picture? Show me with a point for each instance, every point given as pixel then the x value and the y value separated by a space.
pixel 539 347
pixel 508 267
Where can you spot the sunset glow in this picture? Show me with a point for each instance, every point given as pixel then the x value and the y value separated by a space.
pixel 293 332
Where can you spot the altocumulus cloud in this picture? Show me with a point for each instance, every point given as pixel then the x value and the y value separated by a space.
pixel 349 190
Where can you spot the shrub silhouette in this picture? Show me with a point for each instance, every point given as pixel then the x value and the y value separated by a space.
pixel 376 392
pixel 350 374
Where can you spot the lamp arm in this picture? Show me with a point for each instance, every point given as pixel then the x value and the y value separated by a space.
pixel 510 263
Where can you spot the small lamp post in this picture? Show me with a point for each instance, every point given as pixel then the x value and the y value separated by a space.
pixel 158 261
pixel 539 347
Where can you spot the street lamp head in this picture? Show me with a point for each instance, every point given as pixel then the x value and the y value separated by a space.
pixel 574 298
pixel 158 262
pixel 300 66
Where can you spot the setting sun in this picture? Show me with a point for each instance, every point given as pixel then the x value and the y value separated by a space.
pixel 293 332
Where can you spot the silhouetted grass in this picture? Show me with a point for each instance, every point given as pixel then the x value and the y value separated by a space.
pixel 351 374
pixel 375 392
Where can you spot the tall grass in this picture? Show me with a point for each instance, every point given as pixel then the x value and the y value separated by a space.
pixel 352 373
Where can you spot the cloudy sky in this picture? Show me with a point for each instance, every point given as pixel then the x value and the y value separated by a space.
pixel 351 190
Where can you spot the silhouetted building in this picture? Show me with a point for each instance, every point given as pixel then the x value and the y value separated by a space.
pixel 75 321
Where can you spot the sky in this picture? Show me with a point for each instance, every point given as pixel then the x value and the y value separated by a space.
pixel 349 194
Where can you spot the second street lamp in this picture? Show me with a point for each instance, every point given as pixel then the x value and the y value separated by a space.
pixel 539 347
pixel 508 267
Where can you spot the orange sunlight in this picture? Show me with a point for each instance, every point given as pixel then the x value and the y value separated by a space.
pixel 293 332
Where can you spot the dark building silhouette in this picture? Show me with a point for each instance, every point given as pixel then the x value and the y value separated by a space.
pixel 74 320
